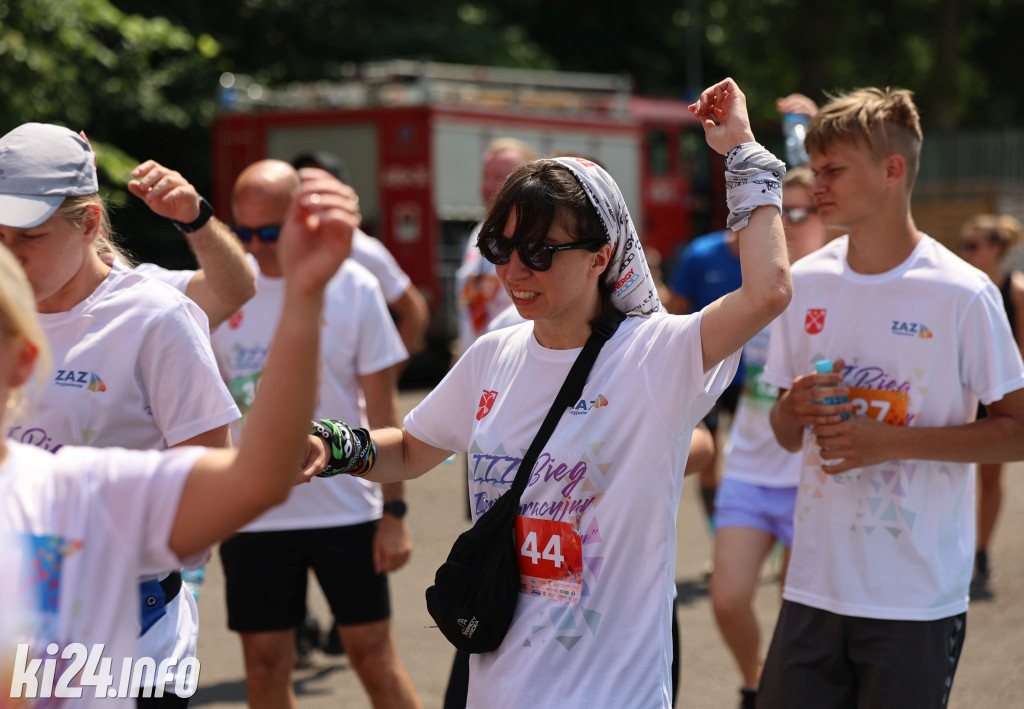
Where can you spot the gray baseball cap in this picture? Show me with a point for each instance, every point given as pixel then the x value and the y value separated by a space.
pixel 40 165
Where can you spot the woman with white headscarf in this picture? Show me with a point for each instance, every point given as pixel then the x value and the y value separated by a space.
pixel 594 630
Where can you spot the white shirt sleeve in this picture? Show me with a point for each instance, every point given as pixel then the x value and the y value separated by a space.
pixel 991 364
pixel 138 491
pixel 380 345
pixel 375 258
pixel 178 280
pixel 179 374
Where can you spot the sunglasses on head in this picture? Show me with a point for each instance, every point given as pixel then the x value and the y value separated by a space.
pixel 797 215
pixel 266 234
pixel 535 255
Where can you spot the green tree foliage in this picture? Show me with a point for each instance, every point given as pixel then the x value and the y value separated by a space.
pixel 952 53
pixel 277 41
pixel 141 78
pixel 86 63
pixel 136 85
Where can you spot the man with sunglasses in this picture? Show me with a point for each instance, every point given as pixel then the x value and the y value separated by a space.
pixel 348 531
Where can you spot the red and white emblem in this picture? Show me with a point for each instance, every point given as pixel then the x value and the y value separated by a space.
pixel 486 402
pixel 815 321
pixel 235 321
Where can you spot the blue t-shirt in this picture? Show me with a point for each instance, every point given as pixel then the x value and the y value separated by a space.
pixel 706 270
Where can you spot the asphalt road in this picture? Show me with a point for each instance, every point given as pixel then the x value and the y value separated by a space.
pixel 987 676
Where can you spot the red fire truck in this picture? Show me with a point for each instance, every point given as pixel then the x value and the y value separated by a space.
pixel 412 135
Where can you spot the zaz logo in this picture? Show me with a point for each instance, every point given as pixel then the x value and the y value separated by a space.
pixel 583 407
pixel 79 380
pixel 911 329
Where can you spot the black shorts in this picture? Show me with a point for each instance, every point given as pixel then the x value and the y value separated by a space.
pixel 266 573
pixel 828 661
pixel 726 402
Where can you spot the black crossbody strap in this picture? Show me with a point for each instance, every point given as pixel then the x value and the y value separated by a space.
pixel 568 395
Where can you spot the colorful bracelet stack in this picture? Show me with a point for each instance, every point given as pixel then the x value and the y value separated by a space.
pixel 350 450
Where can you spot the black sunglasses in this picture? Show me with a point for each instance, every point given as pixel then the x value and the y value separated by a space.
pixel 797 215
pixel 535 255
pixel 266 234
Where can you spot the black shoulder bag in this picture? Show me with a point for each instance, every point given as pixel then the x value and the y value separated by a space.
pixel 475 591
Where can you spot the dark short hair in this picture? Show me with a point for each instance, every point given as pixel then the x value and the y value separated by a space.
pixel 324 160
pixel 539 194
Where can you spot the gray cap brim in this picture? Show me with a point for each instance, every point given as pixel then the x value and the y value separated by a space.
pixel 26 211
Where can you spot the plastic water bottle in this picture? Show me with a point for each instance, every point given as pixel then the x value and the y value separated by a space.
pixel 794 128
pixel 193 579
pixel 824 366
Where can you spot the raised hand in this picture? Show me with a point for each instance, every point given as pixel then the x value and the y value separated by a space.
pixel 722 110
pixel 317 233
pixel 165 191
pixel 796 103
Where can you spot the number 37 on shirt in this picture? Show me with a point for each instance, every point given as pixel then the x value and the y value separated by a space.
pixel 886 406
pixel 550 559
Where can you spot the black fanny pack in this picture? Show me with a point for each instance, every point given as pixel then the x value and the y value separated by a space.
pixel 475 591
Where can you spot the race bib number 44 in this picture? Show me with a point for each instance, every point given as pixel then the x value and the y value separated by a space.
pixel 886 406
pixel 550 559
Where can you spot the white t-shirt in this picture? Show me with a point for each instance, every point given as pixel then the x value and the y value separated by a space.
pixel 358 337
pixel 132 368
pixel 479 292
pixel 506 318
pixel 372 255
pixel 602 502
pixel 178 280
pixel 80 528
pixel 752 454
pixel 894 540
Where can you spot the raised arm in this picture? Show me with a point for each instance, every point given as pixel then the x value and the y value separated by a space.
pixel 225 281
pixel 754 189
pixel 227 489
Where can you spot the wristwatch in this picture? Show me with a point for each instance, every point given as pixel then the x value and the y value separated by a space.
pixel 396 507
pixel 205 212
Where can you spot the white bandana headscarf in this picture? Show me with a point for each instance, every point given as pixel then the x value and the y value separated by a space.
pixel 633 289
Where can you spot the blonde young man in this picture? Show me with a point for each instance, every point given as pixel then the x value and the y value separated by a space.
pixel 874 610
